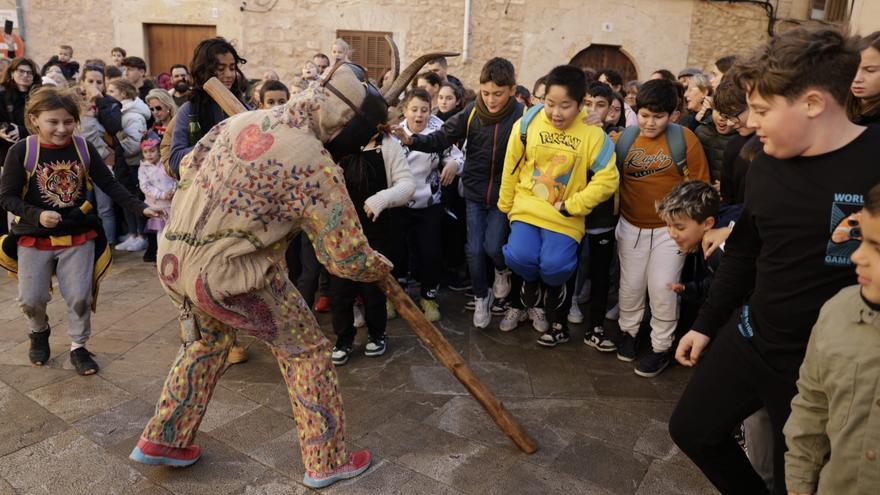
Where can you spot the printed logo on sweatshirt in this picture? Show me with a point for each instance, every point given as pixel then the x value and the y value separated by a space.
pixel 552 172
pixel 845 229
pixel 640 164
pixel 60 183
pixel 560 138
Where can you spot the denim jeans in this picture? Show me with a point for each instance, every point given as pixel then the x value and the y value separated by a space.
pixel 106 214
pixel 487 230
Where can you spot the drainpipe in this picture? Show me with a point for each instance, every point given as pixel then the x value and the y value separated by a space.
pixel 19 13
pixel 467 26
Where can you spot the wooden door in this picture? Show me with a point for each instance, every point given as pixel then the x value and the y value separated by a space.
pixel 369 50
pixel 600 57
pixel 169 44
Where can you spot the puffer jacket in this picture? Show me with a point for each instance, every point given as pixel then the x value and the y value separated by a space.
pixel 484 154
pixel 135 114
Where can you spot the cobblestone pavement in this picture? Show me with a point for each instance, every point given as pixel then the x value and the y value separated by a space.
pixel 599 427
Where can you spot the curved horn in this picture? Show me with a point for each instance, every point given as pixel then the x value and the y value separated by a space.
pixel 395 57
pixel 409 73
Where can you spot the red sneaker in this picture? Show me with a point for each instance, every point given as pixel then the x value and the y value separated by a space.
pixel 147 452
pixel 358 462
pixel 323 305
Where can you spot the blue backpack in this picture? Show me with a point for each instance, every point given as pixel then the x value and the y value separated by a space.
pixel 675 141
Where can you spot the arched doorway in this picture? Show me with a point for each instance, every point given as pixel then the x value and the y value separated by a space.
pixel 606 56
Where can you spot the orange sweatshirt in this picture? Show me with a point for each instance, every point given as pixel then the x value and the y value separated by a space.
pixel 649 173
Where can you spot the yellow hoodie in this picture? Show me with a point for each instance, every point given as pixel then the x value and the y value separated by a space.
pixel 555 168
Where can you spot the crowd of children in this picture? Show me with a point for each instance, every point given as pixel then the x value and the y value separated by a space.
pixel 697 205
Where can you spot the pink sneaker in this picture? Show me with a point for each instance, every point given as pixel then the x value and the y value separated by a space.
pixel 358 462
pixel 147 452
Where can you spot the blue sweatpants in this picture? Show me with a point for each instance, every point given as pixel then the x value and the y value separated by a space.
pixel 534 253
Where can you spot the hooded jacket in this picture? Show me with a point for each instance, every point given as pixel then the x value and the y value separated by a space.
pixel 135 114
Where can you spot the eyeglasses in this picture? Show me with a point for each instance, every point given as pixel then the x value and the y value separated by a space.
pixel 735 120
pixel 24 72
pixel 157 109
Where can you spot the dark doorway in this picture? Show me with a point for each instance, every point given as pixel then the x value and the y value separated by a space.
pixel 606 56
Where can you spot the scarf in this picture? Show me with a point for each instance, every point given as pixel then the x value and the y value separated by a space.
pixel 488 118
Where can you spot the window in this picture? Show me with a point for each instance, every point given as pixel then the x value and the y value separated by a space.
pixel 830 10
pixel 369 50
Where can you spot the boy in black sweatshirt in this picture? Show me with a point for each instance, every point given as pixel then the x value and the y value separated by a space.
pixel 486 124
pixel 811 176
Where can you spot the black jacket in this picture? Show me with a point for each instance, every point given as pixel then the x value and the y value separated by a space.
pixel 69 69
pixel 484 156
pixel 12 105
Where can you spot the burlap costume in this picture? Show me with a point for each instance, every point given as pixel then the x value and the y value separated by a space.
pixel 252 183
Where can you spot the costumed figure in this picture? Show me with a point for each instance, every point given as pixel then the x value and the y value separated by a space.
pixel 249 186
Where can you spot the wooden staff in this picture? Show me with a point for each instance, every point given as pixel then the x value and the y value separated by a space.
pixel 426 331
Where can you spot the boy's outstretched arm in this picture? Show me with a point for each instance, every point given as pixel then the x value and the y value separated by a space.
pixel 808 444
pixel 454 130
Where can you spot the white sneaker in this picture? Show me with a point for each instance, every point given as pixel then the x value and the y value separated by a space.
pixel 359 321
pixel 574 314
pixel 512 318
pixel 138 244
pixel 501 285
pixel 613 313
pixel 482 312
pixel 539 320
pixel 125 245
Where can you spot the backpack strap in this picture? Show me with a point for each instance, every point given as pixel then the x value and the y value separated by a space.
pixel 675 140
pixel 467 130
pixel 524 130
pixel 82 149
pixel 31 154
pixel 625 140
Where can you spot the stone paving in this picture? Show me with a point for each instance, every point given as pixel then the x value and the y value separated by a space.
pixel 599 427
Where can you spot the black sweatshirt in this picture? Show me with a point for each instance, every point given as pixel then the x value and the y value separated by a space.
pixel 58 183
pixel 781 249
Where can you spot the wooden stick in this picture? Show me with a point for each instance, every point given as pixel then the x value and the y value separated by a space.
pixel 426 331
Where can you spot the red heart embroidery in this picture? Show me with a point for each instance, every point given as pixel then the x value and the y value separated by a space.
pixel 251 143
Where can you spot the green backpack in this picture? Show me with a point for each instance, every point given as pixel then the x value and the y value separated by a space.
pixel 675 141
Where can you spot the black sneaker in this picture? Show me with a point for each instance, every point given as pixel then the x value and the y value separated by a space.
pixel 81 359
pixel 340 354
pixel 652 364
pixel 375 347
pixel 499 307
pixel 599 341
pixel 39 352
pixel 626 350
pixel 470 304
pixel 557 335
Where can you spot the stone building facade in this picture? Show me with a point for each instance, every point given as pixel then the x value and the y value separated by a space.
pixel 535 34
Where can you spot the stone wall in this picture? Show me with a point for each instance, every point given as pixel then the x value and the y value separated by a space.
pixel 535 35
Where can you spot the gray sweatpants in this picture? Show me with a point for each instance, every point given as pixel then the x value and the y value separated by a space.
pixel 74 273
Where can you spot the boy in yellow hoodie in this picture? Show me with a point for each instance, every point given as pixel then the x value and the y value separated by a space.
pixel 556 170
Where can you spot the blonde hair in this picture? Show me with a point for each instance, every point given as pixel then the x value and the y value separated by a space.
pixel 126 88
pixel 164 98
pixel 341 43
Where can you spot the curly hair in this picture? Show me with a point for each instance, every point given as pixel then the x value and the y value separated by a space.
pixel 800 59
pixel 692 199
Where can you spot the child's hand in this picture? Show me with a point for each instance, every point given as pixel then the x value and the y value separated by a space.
pixel 372 216
pixel 50 219
pixel 154 212
pixel 713 239
pixel 448 173
pixel 690 347
pixel 558 205
pixel 400 134
pixel 677 288
pixel 592 118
